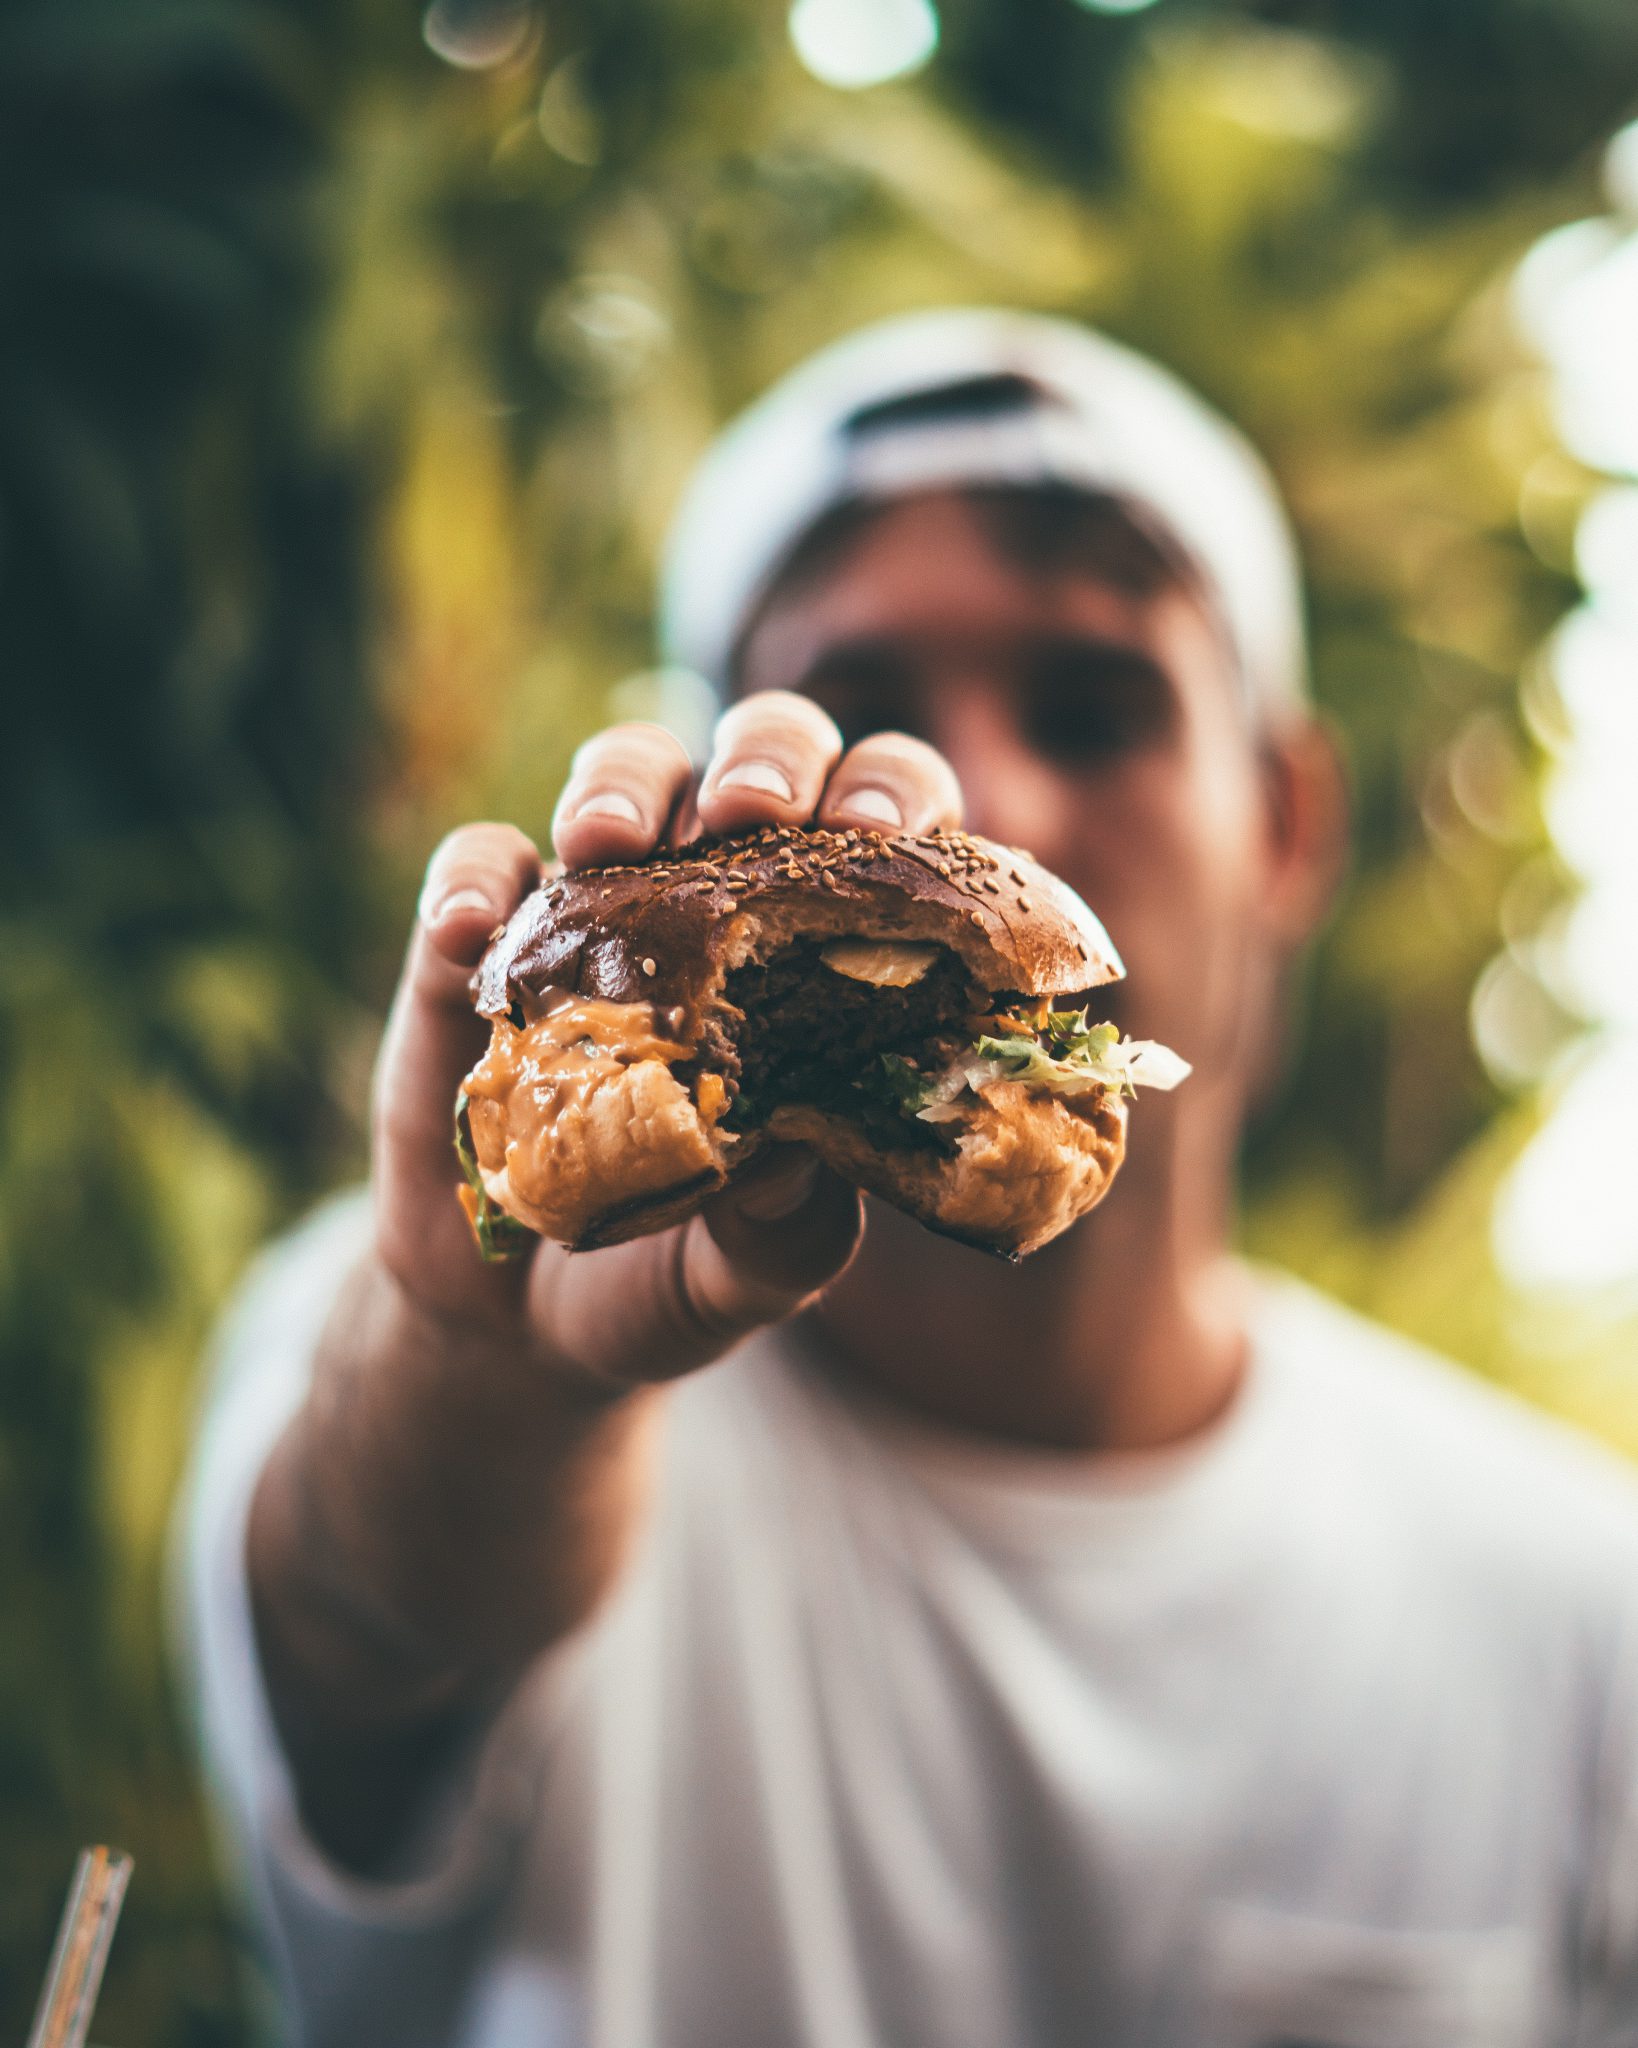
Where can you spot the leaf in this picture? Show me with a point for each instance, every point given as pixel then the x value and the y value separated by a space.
pixel 500 1237
pixel 1078 1057
pixel 905 1085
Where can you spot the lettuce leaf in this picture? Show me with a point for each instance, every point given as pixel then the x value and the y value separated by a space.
pixel 500 1237
pixel 1027 1060
pixel 1069 1057
pixel 1068 1035
pixel 905 1085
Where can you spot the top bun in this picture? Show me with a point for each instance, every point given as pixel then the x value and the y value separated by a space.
pixel 668 930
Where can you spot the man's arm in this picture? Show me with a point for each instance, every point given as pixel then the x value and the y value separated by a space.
pixel 459 1489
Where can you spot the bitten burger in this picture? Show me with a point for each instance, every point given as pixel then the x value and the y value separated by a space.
pixel 911 1007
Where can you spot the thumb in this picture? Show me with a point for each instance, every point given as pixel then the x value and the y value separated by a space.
pixel 664 1305
pixel 778 1236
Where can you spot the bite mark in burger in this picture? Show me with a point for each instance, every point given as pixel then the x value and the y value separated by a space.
pixel 911 1007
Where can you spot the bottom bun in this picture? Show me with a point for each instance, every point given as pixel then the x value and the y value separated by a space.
pixel 632 1131
pixel 1025 1166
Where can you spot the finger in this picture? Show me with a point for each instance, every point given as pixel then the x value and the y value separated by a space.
pixel 623 785
pixel 685 827
pixel 474 881
pixel 663 1305
pixel 475 878
pixel 892 782
pixel 769 761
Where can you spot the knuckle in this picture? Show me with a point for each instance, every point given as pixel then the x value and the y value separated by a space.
pixel 693 1307
pixel 495 859
pixel 715 1297
pixel 664 748
pixel 455 849
pixel 901 750
pixel 483 843
pixel 777 715
pixel 873 766
pixel 636 748
pixel 596 761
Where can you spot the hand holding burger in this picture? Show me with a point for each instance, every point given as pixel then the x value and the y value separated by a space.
pixel 910 1006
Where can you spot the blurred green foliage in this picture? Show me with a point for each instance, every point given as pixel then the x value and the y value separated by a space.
pixel 343 396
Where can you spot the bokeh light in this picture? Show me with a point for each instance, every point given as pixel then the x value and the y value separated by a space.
pixel 1621 170
pixel 1577 297
pixel 1600 961
pixel 568 119
pixel 1517 1027
pixel 1606 547
pixel 475 35
pixel 1567 1217
pixel 855 43
pixel 603 333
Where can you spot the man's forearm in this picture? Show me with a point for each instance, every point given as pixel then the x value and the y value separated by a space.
pixel 444 1507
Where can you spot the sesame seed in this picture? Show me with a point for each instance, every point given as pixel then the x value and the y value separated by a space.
pixel 648 965
pixel 1025 904
pixel 977 916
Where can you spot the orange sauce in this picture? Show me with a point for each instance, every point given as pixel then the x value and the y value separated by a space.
pixel 574 1045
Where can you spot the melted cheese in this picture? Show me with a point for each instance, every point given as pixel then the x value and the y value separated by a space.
pixel 580 1111
pixel 571 1048
pixel 884 963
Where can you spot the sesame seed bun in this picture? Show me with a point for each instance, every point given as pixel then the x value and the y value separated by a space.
pixel 654 1025
pixel 666 931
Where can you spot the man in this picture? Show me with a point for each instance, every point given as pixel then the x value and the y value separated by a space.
pixel 758 1635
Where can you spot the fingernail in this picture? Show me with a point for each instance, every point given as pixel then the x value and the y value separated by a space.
pixel 782 1193
pixel 435 908
pixel 608 803
pixel 872 803
pixel 762 776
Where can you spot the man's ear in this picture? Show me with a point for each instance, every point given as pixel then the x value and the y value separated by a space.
pixel 1306 799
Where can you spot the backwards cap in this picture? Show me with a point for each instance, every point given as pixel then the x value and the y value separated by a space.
pixel 958 398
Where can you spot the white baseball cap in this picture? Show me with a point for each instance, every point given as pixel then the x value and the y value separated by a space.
pixel 1031 401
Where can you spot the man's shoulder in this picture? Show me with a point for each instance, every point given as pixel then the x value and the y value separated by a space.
pixel 1457 1463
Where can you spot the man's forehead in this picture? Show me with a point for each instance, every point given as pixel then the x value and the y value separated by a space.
pixel 931 573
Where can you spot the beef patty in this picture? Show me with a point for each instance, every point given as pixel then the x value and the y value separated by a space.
pixel 800 1032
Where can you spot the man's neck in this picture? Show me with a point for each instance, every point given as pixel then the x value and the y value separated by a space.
pixel 1127 1334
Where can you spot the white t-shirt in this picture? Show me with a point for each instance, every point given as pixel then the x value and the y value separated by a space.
pixel 1321 1732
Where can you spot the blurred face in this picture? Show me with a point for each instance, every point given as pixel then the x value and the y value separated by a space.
pixel 1099 729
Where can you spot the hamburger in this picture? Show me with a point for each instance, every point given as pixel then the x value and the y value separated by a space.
pixel 912 1007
